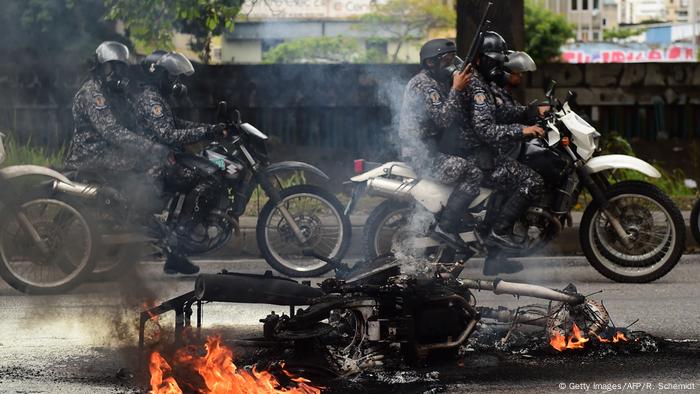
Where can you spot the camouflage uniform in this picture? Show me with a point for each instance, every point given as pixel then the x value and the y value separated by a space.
pixel 155 117
pixel 430 107
pixel 492 127
pixel 103 138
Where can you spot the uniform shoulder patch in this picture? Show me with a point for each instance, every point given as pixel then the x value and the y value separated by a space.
pixel 435 97
pixel 157 111
pixel 480 98
pixel 100 101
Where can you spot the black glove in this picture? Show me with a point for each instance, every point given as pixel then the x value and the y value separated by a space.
pixel 219 130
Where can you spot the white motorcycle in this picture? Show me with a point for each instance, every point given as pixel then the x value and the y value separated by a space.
pixel 630 232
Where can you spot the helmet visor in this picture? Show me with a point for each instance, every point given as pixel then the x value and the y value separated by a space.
pixel 520 62
pixel 176 64
pixel 110 51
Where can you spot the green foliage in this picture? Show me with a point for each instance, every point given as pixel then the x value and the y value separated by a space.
pixel 408 20
pixel 153 22
pixel 621 33
pixel 53 31
pixel 315 50
pixel 671 182
pixel 18 153
pixel 545 32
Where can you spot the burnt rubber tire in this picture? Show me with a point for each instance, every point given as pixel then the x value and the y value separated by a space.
pixel 695 221
pixel 375 221
pixel 332 202
pixel 18 283
pixel 671 255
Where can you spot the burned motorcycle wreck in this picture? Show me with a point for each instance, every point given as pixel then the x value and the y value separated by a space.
pixel 384 317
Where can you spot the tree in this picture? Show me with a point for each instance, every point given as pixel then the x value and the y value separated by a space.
pixel 315 50
pixel 53 30
pixel 152 23
pixel 621 33
pixel 407 20
pixel 545 32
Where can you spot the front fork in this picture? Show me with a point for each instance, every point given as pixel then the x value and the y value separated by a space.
pixel 357 192
pixel 274 195
pixel 597 192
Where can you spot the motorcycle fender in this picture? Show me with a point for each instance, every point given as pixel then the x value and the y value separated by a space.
pixel 610 162
pixel 27 169
pixel 284 166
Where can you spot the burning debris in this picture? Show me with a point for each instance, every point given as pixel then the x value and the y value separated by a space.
pixel 380 319
pixel 215 372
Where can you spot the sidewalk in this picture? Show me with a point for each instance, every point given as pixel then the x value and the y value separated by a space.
pixel 566 244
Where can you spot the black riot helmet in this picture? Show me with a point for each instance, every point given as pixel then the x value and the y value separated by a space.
pixel 111 64
pixel 435 48
pixel 166 70
pixel 493 54
pixel 443 54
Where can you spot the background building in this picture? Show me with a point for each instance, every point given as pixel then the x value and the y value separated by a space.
pixel 589 17
pixel 263 25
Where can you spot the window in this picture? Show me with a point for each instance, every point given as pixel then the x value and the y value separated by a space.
pixel 605 22
pixel 596 36
pixel 585 5
pixel 596 4
pixel 574 5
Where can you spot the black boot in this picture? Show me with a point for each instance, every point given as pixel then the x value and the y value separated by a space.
pixel 496 264
pixel 501 231
pixel 179 264
pixel 447 229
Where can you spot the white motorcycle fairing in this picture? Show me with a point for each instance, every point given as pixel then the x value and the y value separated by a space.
pixel 429 193
pixel 610 162
pixel 28 169
pixel 395 168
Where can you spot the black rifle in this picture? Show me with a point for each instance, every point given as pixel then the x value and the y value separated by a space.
pixel 478 36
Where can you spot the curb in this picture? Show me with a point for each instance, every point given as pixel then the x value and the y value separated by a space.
pixel 566 244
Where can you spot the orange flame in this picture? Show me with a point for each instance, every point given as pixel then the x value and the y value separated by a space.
pixel 220 374
pixel 618 337
pixel 577 340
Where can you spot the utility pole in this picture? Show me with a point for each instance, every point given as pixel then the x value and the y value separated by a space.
pixel 507 19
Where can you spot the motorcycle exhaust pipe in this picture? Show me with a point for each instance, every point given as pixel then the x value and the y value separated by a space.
pixel 525 290
pixel 76 189
pixel 389 188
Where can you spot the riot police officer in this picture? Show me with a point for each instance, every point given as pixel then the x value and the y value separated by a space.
pixel 104 137
pixel 434 102
pixel 163 73
pixel 517 64
pixel 487 130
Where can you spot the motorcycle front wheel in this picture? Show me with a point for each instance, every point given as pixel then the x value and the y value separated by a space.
pixel 655 228
pixel 319 215
pixel 45 246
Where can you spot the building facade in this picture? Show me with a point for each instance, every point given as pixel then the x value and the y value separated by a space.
pixel 589 17
pixel 262 25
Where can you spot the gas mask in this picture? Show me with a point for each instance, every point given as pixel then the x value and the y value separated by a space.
pixel 491 67
pixel 113 75
pixel 446 66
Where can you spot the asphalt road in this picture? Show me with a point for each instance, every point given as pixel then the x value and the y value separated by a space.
pixel 78 342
